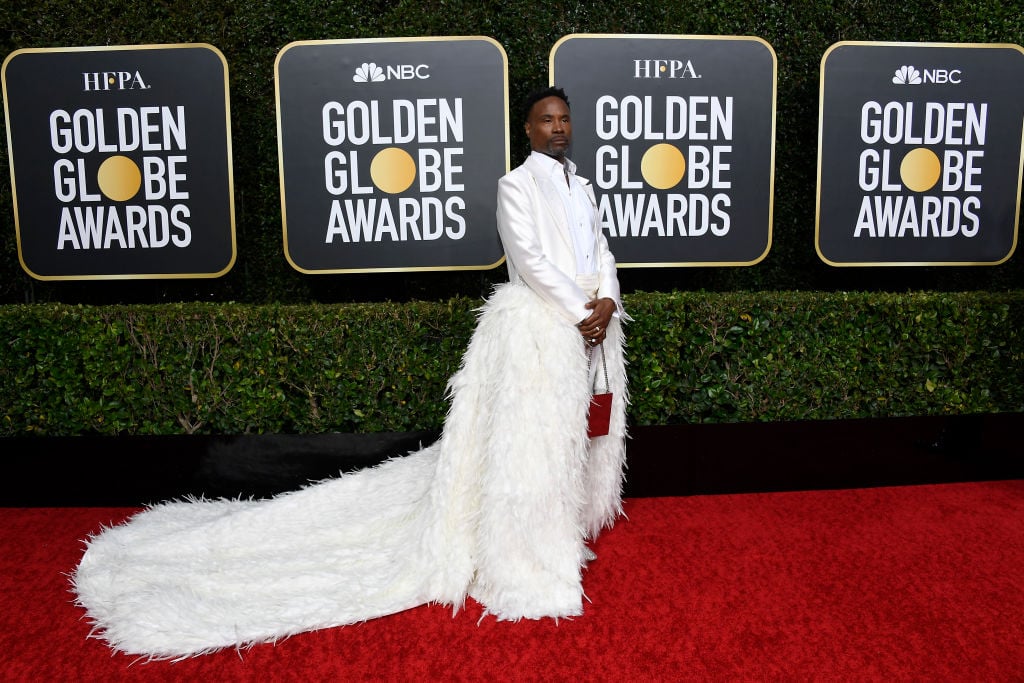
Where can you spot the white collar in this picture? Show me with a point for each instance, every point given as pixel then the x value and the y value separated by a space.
pixel 553 167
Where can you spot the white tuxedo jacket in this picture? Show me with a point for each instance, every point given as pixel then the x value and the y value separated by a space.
pixel 534 232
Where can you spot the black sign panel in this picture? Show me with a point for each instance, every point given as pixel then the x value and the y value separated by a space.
pixel 920 154
pixel 677 134
pixel 120 161
pixel 390 153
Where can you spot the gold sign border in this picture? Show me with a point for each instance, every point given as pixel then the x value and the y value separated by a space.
pixel 771 180
pixel 821 113
pixel 280 148
pixel 231 176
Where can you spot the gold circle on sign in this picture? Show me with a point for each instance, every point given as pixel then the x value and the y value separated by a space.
pixel 393 170
pixel 119 178
pixel 920 169
pixel 663 166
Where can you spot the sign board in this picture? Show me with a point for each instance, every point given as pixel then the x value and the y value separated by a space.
pixel 121 161
pixel 390 153
pixel 919 154
pixel 677 134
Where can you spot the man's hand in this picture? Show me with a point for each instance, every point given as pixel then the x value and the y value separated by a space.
pixel 594 327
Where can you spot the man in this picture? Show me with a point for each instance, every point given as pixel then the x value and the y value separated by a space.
pixel 549 488
pixel 498 509
pixel 547 219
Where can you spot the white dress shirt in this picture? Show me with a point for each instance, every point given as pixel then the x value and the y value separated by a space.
pixel 579 212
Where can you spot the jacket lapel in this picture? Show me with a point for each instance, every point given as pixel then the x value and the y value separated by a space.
pixel 552 200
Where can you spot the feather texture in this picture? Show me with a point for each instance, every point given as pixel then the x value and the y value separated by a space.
pixel 497 509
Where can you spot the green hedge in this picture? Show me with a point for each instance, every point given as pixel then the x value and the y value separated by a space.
pixel 693 357
pixel 250 33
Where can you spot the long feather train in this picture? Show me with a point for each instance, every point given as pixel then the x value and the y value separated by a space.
pixel 497 509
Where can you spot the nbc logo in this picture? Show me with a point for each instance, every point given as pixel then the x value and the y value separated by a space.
pixel 907 75
pixel 371 73
pixel 368 73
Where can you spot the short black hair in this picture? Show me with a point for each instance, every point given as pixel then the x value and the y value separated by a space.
pixel 541 94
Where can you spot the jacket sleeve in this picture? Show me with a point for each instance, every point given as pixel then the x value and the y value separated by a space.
pixel 517 227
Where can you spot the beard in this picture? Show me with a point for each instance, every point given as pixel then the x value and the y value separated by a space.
pixel 556 151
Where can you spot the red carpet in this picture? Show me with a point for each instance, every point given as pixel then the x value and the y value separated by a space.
pixel 911 583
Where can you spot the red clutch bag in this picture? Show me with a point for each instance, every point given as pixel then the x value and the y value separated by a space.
pixel 600 413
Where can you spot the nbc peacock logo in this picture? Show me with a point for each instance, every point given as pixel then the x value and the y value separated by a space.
pixel 368 72
pixel 371 72
pixel 910 75
pixel 907 75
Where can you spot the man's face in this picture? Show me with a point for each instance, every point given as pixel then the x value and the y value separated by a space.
pixel 549 127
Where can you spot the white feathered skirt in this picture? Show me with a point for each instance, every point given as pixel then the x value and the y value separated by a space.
pixel 497 509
